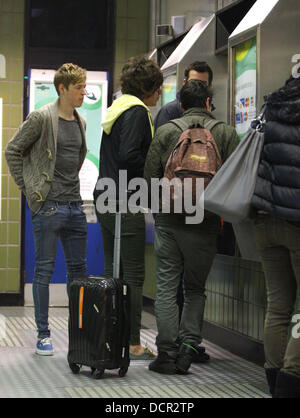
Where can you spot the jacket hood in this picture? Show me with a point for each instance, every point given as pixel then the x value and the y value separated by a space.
pixel 119 106
pixel 283 105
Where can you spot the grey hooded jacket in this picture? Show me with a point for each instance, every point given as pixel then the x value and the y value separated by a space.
pixel 31 153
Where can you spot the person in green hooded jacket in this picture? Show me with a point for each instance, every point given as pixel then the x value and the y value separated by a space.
pixel 180 247
pixel 127 134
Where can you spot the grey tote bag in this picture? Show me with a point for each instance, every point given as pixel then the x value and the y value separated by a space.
pixel 230 191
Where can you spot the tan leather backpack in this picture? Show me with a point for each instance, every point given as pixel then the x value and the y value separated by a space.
pixel 195 155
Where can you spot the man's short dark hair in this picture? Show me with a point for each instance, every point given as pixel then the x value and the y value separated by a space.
pixel 200 67
pixel 194 93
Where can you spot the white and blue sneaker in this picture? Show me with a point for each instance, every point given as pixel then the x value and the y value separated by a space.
pixel 44 347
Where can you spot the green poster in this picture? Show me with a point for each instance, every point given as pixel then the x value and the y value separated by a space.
pixel 169 89
pixel 245 85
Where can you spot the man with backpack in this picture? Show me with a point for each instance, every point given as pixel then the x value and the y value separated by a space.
pixel 197 70
pixel 182 247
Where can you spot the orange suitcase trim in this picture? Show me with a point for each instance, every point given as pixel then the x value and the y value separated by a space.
pixel 81 305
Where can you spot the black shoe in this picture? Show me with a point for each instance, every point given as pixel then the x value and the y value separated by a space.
pixel 163 363
pixel 271 375
pixel 287 386
pixel 200 356
pixel 185 357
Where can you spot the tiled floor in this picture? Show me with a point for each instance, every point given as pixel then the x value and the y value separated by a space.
pixel 23 374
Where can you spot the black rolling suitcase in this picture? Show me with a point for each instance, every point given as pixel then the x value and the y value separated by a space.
pixel 99 320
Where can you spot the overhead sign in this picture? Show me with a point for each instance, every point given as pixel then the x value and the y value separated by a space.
pixel 2 66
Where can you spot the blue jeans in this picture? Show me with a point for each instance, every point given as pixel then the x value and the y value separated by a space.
pixel 64 220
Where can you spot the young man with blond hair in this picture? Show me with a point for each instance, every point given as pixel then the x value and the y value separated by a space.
pixel 44 158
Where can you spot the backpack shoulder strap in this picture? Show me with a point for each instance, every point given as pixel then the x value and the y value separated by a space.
pixel 212 123
pixel 209 126
pixel 183 125
pixel 180 123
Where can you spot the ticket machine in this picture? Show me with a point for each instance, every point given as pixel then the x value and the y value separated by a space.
pixel 263 50
pixel 198 45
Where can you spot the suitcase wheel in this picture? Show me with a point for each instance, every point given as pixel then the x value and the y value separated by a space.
pixel 123 371
pixel 98 373
pixel 74 367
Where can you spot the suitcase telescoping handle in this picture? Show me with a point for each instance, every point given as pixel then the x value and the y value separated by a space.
pixel 117 246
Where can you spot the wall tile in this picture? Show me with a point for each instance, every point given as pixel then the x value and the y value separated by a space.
pixel 15 116
pixel 13 280
pixel 13 257
pixel 15 96
pixel 13 189
pixel 5 92
pixel 4 210
pixel 121 51
pixel 4 164
pixel 132 21
pixel 16 6
pixel 3 280
pixel 122 6
pixel 121 28
pixel 3 257
pixel 15 68
pixel 14 212
pixel 3 233
pixel 4 184
pixel 14 233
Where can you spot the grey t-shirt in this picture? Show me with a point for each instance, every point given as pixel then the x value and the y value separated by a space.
pixel 65 185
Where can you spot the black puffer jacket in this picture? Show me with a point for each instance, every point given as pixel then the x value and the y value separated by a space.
pixel 277 190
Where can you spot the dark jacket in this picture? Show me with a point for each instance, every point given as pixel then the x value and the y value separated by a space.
pixel 277 190
pixel 169 111
pixel 165 140
pixel 126 147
